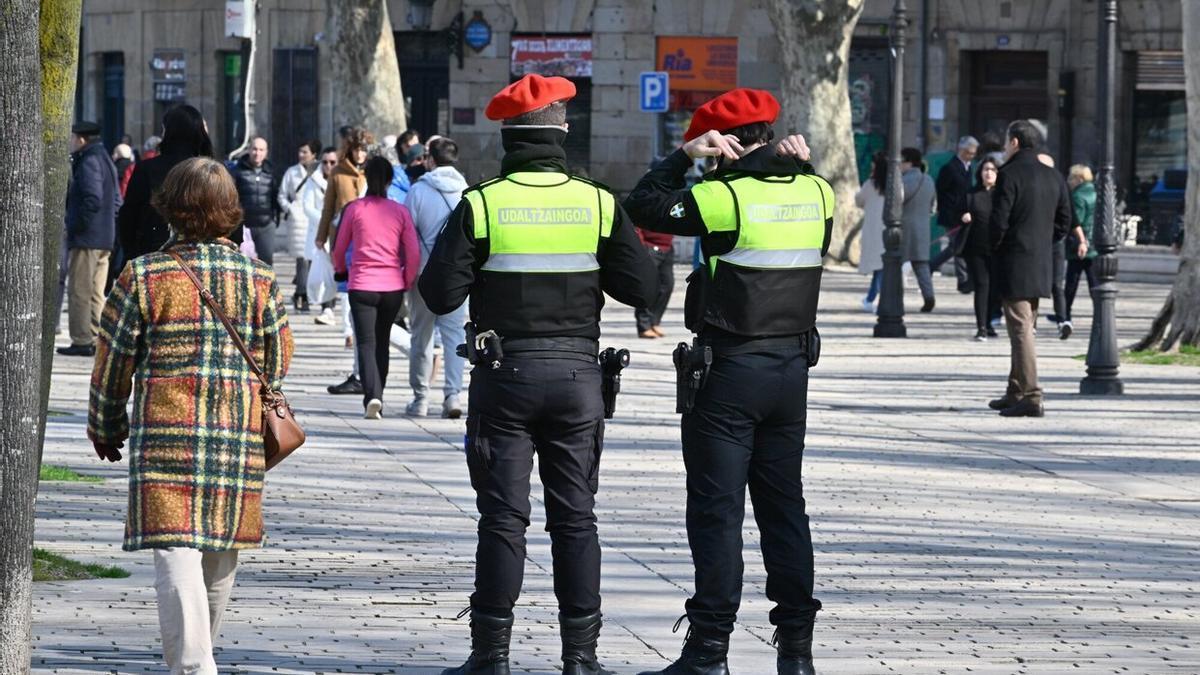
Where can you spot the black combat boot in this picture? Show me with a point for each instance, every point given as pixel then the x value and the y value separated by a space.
pixel 703 654
pixel 490 636
pixel 795 650
pixel 579 636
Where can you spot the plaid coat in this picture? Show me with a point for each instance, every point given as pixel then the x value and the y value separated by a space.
pixel 195 436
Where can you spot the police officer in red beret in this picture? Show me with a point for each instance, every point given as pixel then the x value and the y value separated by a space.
pixel 536 249
pixel 764 221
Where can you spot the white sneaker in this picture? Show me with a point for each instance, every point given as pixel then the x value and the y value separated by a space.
pixel 418 407
pixel 868 306
pixel 451 409
pixel 374 409
pixel 325 318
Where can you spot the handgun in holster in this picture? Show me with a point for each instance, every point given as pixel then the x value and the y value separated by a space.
pixel 612 362
pixel 691 369
pixel 480 348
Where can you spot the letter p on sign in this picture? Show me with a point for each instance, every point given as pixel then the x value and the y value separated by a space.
pixel 655 92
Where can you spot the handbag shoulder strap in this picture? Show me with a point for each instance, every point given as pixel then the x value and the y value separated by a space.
pixel 216 309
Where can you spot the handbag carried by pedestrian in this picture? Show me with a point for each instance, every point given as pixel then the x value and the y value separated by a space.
pixel 282 434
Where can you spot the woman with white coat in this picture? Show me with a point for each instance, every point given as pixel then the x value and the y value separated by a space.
pixel 870 200
pixel 295 179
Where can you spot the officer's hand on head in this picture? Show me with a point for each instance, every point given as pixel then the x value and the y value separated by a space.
pixel 713 144
pixel 793 146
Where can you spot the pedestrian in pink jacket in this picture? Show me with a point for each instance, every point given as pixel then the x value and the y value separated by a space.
pixel 383 265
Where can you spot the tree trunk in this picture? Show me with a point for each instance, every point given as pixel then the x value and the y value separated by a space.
pixel 366 75
pixel 814 39
pixel 59 28
pixel 20 320
pixel 1178 322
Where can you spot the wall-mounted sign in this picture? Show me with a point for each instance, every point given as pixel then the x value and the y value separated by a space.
pixel 699 63
pixel 168 65
pixel 239 18
pixel 478 32
pixel 548 55
pixel 168 72
pixel 463 117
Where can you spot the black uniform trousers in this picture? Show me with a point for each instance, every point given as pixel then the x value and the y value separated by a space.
pixel 549 403
pixel 747 428
pixel 651 316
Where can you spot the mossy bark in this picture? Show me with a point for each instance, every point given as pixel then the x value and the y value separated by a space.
pixel 21 198
pixel 59 47
pixel 814 39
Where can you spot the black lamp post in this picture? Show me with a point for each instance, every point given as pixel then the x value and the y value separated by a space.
pixel 890 319
pixel 1103 360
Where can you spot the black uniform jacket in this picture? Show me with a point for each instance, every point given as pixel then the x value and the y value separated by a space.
pixel 1030 210
pixel 534 305
pixel 748 304
pixel 661 201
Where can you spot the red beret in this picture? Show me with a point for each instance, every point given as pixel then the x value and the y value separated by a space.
pixel 528 94
pixel 732 109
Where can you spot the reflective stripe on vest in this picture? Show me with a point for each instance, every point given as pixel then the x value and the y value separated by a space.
pixel 774 259
pixel 541 222
pixel 541 262
pixel 780 221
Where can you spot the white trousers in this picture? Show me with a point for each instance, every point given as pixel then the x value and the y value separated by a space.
pixel 193 587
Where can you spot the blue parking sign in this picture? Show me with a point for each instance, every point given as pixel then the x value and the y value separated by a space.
pixel 655 92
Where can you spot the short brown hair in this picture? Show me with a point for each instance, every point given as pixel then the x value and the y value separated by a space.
pixel 554 114
pixel 356 139
pixel 199 200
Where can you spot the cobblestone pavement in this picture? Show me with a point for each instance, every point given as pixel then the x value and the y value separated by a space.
pixel 948 540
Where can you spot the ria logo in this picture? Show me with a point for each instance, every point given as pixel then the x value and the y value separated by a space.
pixel 677 61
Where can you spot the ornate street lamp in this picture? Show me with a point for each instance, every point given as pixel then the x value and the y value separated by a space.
pixel 1103 361
pixel 890 319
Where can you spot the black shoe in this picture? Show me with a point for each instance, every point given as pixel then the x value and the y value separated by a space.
pixel 490 636
pixel 77 350
pixel 1024 408
pixel 350 386
pixel 928 306
pixel 991 332
pixel 1002 403
pixel 579 637
pixel 1052 318
pixel 981 335
pixel 1064 330
pixel 303 306
pixel 701 655
pixel 795 650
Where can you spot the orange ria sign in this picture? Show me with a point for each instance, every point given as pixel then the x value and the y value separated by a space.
pixel 699 63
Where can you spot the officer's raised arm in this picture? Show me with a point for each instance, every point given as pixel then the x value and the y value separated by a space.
pixel 626 271
pixel 446 280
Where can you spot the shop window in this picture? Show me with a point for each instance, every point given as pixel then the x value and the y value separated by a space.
pixel 232 115
pixel 568 56
pixel 112 98
pixel 700 68
pixel 293 101
pixel 424 58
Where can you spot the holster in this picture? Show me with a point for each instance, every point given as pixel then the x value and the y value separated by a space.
pixel 691 370
pixel 480 347
pixel 612 362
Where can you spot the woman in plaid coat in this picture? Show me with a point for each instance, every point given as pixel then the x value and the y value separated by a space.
pixel 195 434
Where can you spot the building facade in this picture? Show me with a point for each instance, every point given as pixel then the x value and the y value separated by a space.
pixel 971 66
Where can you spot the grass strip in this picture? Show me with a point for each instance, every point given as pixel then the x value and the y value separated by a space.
pixel 49 566
pixel 63 474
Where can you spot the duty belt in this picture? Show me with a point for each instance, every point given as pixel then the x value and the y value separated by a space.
pixel 808 342
pixel 575 345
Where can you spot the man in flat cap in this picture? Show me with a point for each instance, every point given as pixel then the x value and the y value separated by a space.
pixel 93 197
pixel 536 249
pixel 764 222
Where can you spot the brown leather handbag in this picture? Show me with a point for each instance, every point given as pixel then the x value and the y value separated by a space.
pixel 282 434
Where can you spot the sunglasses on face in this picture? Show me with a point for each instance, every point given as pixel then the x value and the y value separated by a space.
pixel 329 161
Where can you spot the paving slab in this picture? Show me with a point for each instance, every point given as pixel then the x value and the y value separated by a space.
pixel 949 540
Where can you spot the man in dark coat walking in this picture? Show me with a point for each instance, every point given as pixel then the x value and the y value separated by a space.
pixel 1029 211
pixel 953 185
pixel 258 187
pixel 93 198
